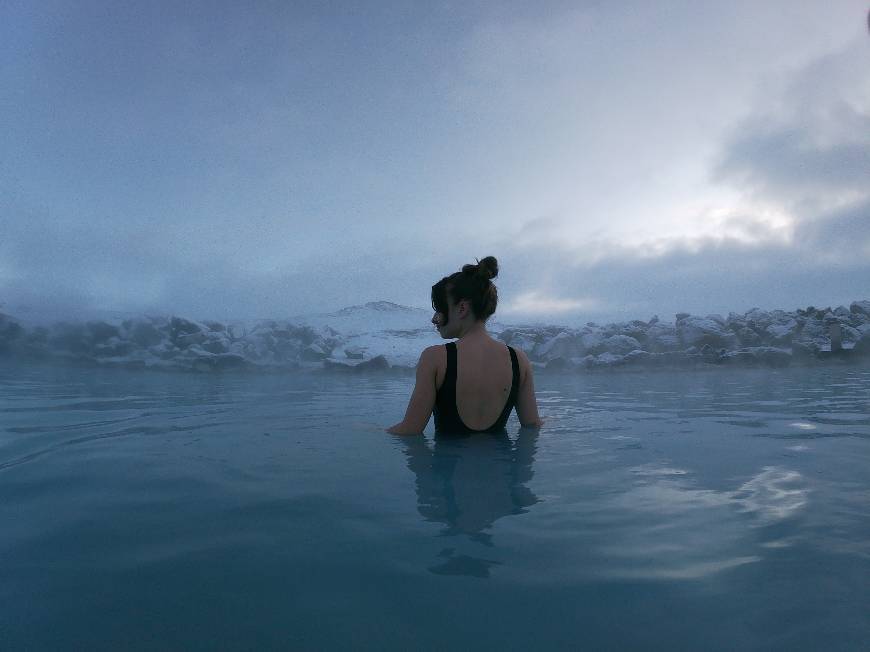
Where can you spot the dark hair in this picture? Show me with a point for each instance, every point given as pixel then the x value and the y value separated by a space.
pixel 474 283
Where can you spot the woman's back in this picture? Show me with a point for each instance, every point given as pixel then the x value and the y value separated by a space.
pixel 478 382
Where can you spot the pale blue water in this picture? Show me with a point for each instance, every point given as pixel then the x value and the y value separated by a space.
pixel 701 510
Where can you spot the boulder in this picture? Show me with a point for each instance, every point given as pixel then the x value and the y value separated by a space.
pixel 313 352
pixel 216 344
pixel 760 319
pixel 179 327
pixel 860 308
pixel 378 363
pixel 142 332
pixel 620 344
pixel 354 353
pixel 607 359
pixel 781 331
pixel 768 356
pixel 748 337
pixel 813 337
pixel 563 345
pixel 10 330
pixel 661 337
pixel 591 340
pixel 697 331
pixel 559 364
pixel 862 346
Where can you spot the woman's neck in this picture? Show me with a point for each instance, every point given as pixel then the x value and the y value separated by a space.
pixel 476 331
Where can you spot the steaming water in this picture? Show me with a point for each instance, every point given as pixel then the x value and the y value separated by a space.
pixel 703 510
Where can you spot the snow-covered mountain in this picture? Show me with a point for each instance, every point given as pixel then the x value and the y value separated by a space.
pixel 370 317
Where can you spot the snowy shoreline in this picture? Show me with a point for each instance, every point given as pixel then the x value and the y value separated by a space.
pixel 383 337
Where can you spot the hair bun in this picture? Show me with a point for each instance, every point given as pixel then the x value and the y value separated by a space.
pixel 487 269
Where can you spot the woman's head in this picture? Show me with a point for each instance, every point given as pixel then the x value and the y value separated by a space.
pixel 473 284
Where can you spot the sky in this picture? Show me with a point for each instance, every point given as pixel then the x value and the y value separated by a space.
pixel 231 160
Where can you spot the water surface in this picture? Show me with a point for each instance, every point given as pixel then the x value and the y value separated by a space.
pixel 727 509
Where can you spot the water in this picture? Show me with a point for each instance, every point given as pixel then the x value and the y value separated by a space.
pixel 704 510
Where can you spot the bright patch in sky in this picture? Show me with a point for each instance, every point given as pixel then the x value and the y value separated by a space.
pixel 536 302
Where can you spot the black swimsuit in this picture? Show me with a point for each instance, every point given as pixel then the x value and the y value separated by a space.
pixel 446 415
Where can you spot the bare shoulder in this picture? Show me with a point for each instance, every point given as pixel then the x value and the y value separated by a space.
pixel 433 356
pixel 431 353
pixel 523 360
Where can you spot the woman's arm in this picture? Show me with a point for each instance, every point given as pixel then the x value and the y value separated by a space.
pixel 422 399
pixel 527 404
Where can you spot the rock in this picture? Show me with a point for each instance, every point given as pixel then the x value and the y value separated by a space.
pixel 850 335
pixel 354 353
pixel 559 364
pixel 10 330
pixel 99 331
pixel 661 337
pixel 525 341
pixel 862 346
pixel 608 359
pixel 179 327
pixel 215 326
pixel 591 340
pixel 216 345
pixel 184 340
pixel 860 308
pixel 378 363
pixel 813 337
pixel 637 357
pixel 114 348
pixel 758 319
pixel 219 362
pixel 782 331
pixel 564 345
pixel 760 355
pixel 620 344
pixel 313 352
pixel 634 329
pixel 748 337
pixel 142 333
pixel 697 331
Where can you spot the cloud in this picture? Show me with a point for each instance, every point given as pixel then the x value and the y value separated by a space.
pixel 811 138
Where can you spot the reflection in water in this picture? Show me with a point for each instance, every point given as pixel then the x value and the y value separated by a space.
pixel 468 483
pixel 674 529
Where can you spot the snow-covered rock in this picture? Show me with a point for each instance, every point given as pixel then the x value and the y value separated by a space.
pixel 662 337
pixel 381 336
pixel 620 344
pixel 782 330
pixel 565 345
pixel 698 331
pixel 860 308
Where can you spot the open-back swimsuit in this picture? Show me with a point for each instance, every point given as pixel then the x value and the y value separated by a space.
pixel 447 416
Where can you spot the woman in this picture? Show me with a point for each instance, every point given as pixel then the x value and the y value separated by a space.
pixel 471 384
